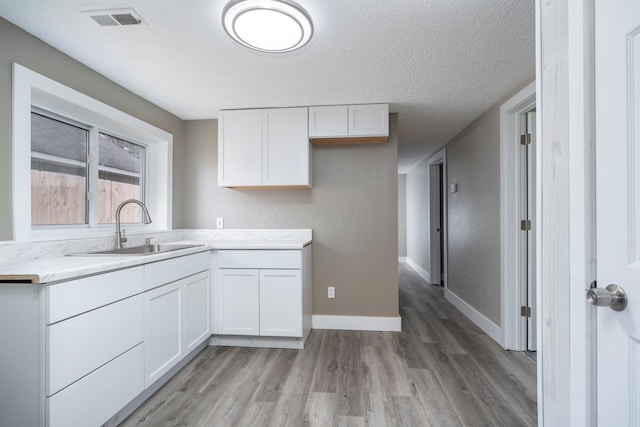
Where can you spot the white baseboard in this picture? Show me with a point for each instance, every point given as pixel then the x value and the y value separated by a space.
pixel 357 323
pixel 402 259
pixel 421 271
pixel 483 322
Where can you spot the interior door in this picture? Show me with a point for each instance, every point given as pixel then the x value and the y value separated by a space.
pixel 617 56
pixel 531 235
pixel 435 191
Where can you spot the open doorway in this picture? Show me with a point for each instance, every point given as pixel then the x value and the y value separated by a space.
pixel 437 219
pixel 518 153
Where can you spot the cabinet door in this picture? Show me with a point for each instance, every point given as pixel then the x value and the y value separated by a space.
pixel 163 330
pixel 280 303
pixel 238 302
pixel 369 120
pixel 328 121
pixel 240 148
pixel 285 147
pixel 196 310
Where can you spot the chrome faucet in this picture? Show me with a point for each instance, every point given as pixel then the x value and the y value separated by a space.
pixel 120 239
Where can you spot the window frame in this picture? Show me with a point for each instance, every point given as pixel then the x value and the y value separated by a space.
pixel 31 89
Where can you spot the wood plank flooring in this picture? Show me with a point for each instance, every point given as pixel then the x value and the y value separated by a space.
pixel 441 370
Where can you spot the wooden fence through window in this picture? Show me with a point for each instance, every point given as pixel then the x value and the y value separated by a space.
pixel 58 198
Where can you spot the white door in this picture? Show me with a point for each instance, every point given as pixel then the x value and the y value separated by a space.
pixel 285 156
pixel 238 302
pixel 617 44
pixel 196 310
pixel 531 235
pixel 163 330
pixel 435 206
pixel 280 303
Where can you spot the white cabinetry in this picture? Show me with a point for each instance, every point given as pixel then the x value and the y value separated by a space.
pixel 176 313
pixel 239 302
pixel 349 124
pixel 93 347
pixel 264 292
pixel 264 148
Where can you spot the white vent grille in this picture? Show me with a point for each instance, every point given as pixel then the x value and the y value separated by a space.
pixel 111 18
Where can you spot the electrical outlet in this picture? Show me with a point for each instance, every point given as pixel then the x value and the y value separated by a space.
pixel 219 222
pixel 331 292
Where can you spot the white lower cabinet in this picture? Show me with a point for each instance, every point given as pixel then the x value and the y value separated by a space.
pixel 95 398
pixel 176 321
pixel 163 330
pixel 239 302
pixel 281 303
pixel 264 293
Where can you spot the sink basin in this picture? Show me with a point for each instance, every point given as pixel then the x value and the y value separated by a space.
pixel 137 250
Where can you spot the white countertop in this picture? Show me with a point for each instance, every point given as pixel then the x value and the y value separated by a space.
pixel 59 268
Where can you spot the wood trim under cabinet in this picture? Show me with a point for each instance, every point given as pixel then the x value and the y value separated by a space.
pixel 349 140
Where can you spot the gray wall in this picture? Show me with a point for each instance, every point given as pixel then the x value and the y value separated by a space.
pixel 402 215
pixel 473 161
pixel 418 250
pixel 352 209
pixel 19 46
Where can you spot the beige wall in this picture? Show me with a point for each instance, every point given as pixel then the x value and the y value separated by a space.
pixel 352 209
pixel 402 215
pixel 18 46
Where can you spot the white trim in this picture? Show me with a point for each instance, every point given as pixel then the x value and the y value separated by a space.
pixel 357 323
pixel 510 236
pixel 421 271
pixel 402 259
pixel 483 322
pixel 31 88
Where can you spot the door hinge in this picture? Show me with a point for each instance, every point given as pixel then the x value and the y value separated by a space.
pixel 525 139
pixel 525 311
pixel 525 225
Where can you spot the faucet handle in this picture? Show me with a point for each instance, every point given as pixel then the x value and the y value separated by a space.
pixel 123 236
pixel 147 241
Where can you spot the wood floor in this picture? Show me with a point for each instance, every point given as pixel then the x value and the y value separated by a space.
pixel 441 370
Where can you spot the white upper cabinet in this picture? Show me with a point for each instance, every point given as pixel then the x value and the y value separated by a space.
pixel 264 148
pixel 349 124
pixel 329 121
pixel 240 148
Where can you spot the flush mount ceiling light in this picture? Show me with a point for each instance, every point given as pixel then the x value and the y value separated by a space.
pixel 267 25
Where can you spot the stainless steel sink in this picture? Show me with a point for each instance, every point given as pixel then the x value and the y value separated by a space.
pixel 137 250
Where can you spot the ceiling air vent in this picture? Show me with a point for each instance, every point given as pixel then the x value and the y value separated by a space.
pixel 117 17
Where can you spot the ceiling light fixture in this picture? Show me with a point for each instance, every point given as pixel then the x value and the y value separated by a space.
pixel 267 25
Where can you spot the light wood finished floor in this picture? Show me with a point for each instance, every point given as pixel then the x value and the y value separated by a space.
pixel 441 370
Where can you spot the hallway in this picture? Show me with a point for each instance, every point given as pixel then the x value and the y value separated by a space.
pixel 441 370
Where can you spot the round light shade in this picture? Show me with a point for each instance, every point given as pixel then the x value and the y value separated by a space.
pixel 267 25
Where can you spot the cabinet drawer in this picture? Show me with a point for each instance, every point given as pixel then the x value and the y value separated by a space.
pixel 69 299
pixel 77 346
pixel 98 396
pixel 260 259
pixel 167 271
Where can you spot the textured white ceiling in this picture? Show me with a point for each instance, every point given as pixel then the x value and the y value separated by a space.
pixel 439 63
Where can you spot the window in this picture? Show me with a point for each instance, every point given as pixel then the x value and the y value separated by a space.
pixel 76 159
pixel 61 187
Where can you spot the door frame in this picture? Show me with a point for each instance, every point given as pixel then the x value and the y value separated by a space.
pixel 566 211
pixel 440 158
pixel 512 286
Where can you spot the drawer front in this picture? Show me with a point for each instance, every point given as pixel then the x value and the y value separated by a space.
pixel 167 271
pixel 260 259
pixel 82 344
pixel 100 395
pixel 69 299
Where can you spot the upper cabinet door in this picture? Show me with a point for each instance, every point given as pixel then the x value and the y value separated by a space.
pixel 240 148
pixel 285 147
pixel 369 120
pixel 329 121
